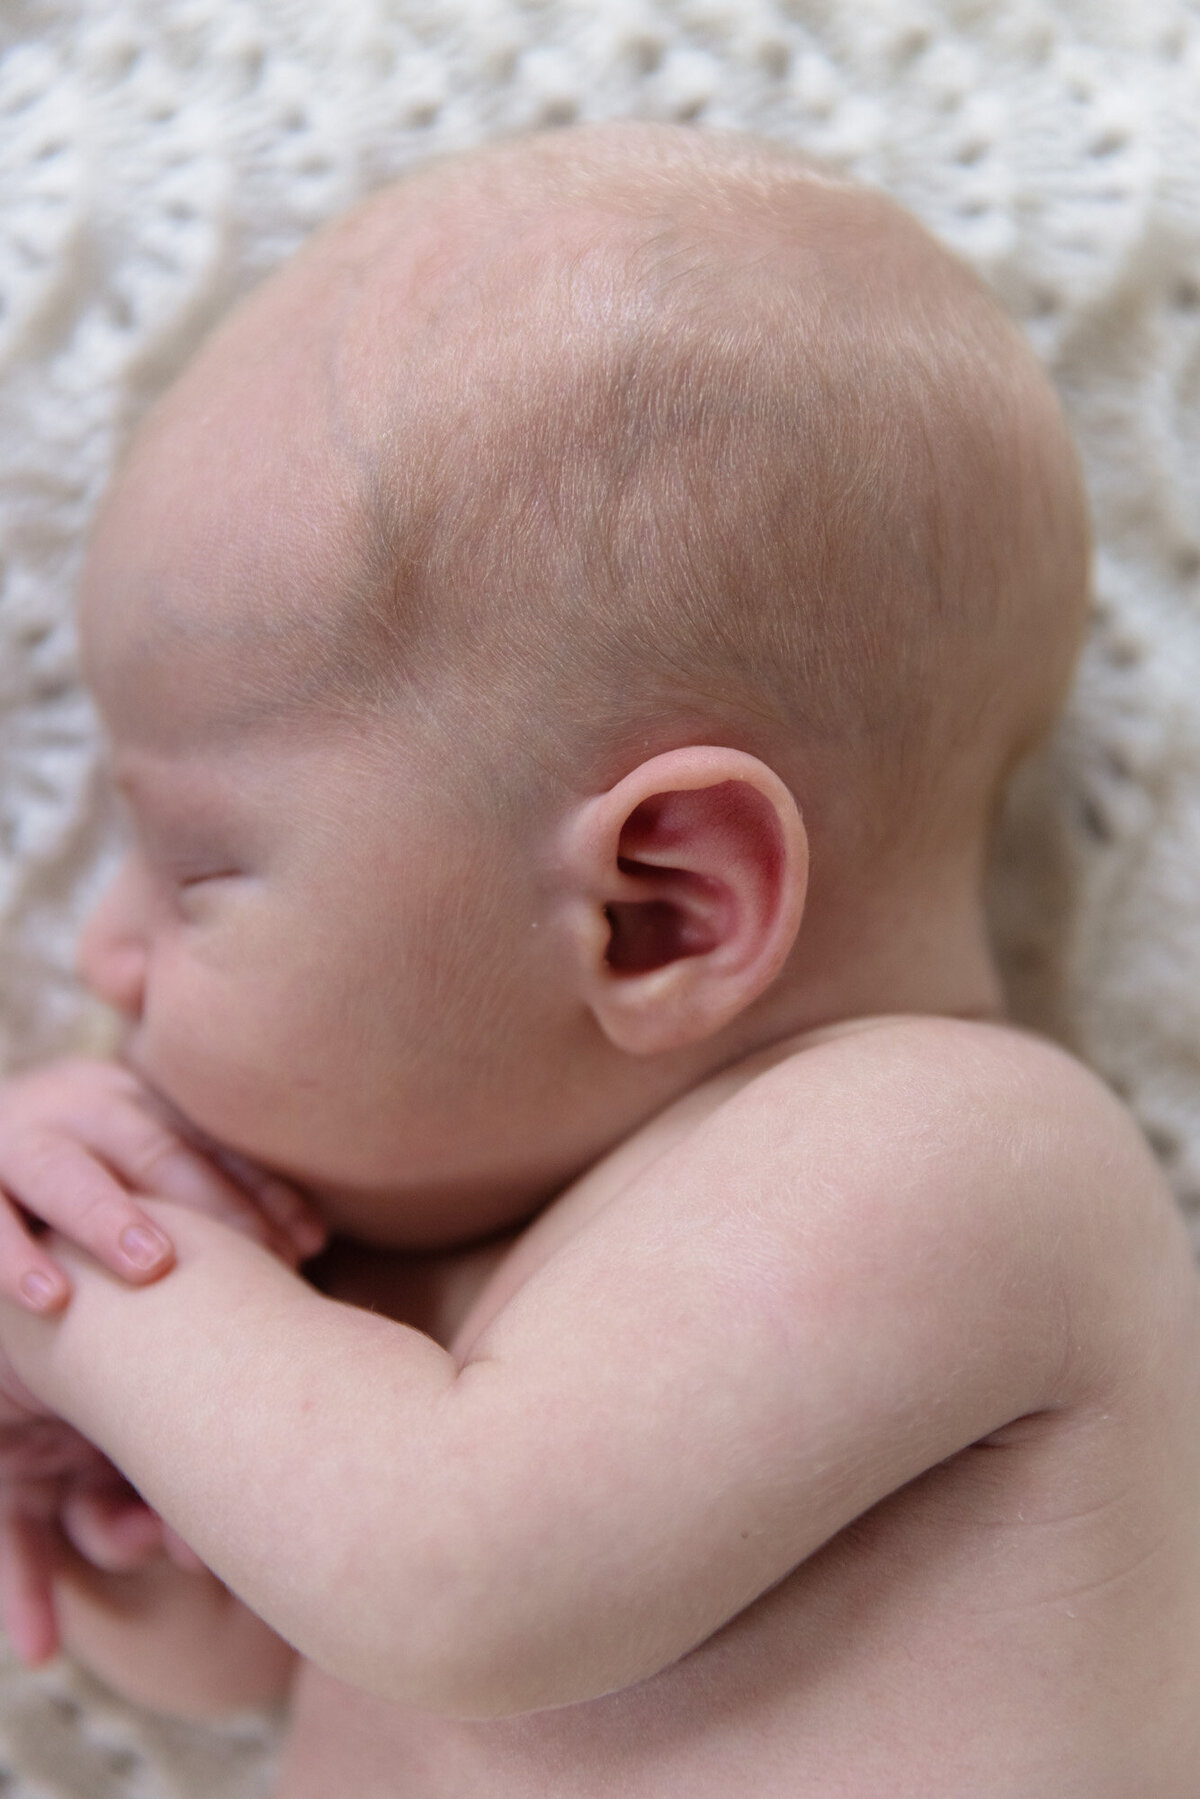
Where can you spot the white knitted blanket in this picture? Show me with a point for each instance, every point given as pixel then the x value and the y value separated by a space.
pixel 157 156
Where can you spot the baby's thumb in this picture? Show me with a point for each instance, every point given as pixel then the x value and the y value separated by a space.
pixel 111 1528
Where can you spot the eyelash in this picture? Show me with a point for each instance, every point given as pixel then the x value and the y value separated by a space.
pixel 172 868
pixel 187 887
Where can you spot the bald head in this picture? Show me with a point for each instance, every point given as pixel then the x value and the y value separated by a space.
pixel 608 440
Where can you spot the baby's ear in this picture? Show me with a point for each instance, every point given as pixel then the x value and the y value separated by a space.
pixel 687 882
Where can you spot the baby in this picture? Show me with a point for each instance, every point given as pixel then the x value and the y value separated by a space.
pixel 562 642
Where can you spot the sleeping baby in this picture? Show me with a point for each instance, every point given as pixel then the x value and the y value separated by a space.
pixel 562 643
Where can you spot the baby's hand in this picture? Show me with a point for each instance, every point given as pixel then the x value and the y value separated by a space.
pixel 57 1489
pixel 40 1458
pixel 78 1141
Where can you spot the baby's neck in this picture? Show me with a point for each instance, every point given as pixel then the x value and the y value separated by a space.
pixel 922 950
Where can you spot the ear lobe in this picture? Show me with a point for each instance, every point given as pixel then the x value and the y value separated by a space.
pixel 697 862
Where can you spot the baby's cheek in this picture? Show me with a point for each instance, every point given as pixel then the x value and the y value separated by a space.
pixel 277 1061
pixel 323 1045
pixel 227 1047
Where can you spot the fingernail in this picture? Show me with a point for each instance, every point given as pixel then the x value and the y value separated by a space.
pixel 143 1246
pixel 38 1290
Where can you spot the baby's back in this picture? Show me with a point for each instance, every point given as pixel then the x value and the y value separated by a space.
pixel 1020 1621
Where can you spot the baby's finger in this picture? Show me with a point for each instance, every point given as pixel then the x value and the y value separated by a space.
pixel 293 1215
pixel 27 1558
pixel 111 1527
pixel 156 1161
pixel 63 1184
pixel 28 1275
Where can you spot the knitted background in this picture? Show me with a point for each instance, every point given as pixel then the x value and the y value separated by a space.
pixel 158 156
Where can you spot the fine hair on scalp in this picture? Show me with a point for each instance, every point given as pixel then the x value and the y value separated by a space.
pixel 696 442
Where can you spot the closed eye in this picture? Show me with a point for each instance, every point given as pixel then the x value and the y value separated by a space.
pixel 191 889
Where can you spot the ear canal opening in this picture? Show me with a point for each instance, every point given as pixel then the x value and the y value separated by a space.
pixel 640 936
pixel 650 933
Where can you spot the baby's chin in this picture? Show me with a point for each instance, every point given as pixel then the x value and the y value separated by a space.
pixel 430 1212
pixel 214 1113
pixel 446 1214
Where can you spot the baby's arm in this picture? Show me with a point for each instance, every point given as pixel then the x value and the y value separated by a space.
pixel 80 1141
pixel 92 1567
pixel 866 1261
pixel 86 1565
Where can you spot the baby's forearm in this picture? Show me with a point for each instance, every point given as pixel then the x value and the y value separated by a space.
pixel 280 1432
pixel 168 1638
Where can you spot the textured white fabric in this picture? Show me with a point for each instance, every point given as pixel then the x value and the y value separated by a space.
pixel 158 157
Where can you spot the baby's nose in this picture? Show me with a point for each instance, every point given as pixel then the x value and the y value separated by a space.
pixel 112 949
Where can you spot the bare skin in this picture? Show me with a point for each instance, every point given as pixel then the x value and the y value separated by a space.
pixel 772 1704
pixel 1020 1619
pixel 824 1417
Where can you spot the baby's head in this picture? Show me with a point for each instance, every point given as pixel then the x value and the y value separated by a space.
pixel 563 554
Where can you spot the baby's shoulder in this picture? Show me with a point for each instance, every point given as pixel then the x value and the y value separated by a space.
pixel 932 1130
pixel 958 1080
